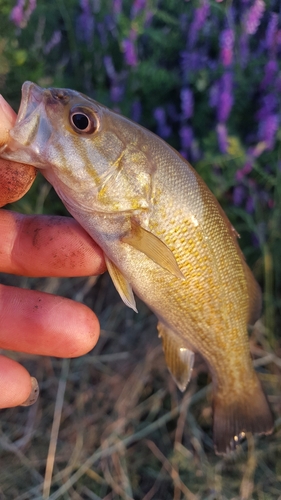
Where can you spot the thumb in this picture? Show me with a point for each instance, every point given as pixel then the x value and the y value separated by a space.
pixel 15 178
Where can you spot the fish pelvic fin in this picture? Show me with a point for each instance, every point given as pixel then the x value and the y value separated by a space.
pixel 234 418
pixel 152 247
pixel 178 357
pixel 122 286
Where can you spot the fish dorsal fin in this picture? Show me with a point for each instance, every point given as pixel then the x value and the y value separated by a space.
pixel 152 247
pixel 178 357
pixel 121 284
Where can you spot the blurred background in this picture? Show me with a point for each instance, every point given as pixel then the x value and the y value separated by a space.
pixel 205 76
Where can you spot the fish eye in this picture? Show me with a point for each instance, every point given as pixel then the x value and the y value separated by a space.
pixel 83 121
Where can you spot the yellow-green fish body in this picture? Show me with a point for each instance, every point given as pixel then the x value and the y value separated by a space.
pixel 164 236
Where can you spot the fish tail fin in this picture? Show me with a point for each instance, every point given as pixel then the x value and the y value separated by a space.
pixel 248 412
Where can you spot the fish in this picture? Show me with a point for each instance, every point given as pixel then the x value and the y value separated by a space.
pixel 164 236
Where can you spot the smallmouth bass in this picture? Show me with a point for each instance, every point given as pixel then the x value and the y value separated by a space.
pixel 164 235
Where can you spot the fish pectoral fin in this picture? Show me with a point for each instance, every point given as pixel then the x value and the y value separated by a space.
pixel 122 286
pixel 152 247
pixel 178 357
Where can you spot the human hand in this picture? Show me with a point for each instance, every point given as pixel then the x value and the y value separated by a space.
pixel 32 321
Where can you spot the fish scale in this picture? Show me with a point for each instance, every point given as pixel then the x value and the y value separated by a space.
pixel 164 237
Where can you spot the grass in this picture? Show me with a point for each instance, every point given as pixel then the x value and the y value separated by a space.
pixel 112 425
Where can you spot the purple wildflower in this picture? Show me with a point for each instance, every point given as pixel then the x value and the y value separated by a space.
pixel 200 16
pixel 258 149
pixel 270 71
pixel 162 128
pixel 244 49
pixel 240 174
pixel 116 92
pixel 222 137
pixel 21 13
pixel 278 38
pixel 267 130
pixel 138 6
pixel 192 61
pixel 136 111
pixel 214 95
pixel 238 195
pixel 270 36
pixel 186 135
pixel 253 16
pixel 17 14
pixel 117 6
pixel 129 49
pixel 269 104
pixel 250 206
pixel 109 67
pixel 187 103
pixel 53 42
pixel 278 84
pixel 85 22
pixel 226 97
pixel 226 45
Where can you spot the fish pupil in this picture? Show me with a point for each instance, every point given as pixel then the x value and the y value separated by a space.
pixel 80 121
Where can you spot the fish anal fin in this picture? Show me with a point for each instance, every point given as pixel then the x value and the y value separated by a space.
pixel 236 418
pixel 178 357
pixel 152 247
pixel 122 286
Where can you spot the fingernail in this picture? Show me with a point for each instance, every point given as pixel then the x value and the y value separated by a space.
pixel 7 110
pixel 33 396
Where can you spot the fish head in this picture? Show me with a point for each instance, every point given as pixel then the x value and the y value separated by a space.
pixel 82 147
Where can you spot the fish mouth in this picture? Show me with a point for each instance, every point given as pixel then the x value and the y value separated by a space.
pixel 31 97
pixel 32 130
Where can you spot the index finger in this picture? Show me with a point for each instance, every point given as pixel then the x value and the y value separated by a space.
pixel 40 245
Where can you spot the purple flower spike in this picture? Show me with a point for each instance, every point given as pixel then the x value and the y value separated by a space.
pixel 270 71
pixel 17 14
pixel 20 15
pixel 117 6
pixel 136 111
pixel 244 49
pixel 250 206
pixel 240 174
pixel 214 95
pixel 53 42
pixel 267 130
pixel 187 103
pixel 222 137
pixel 162 129
pixel 116 92
pixel 226 44
pixel 85 22
pixel 129 51
pixel 186 135
pixel 271 31
pixel 225 101
pixel 253 17
pixel 238 195
pixel 269 105
pixel 137 7
pixel 198 22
